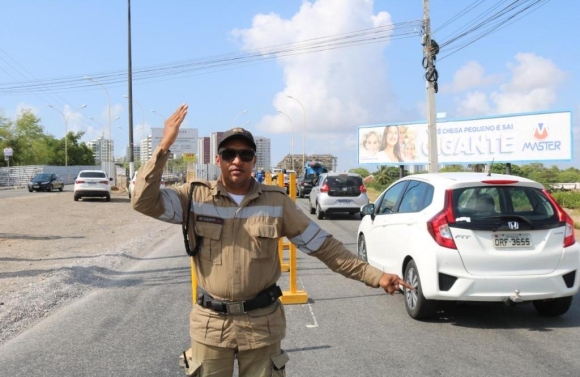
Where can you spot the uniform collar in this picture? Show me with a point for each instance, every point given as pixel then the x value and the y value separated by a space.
pixel 252 193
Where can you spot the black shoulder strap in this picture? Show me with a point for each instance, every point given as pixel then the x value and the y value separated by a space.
pixel 198 239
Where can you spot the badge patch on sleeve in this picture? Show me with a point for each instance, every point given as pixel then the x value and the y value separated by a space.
pixel 209 219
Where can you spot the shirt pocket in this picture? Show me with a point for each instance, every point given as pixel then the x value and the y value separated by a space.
pixel 264 240
pixel 211 245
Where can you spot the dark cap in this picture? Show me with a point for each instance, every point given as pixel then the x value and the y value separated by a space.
pixel 238 133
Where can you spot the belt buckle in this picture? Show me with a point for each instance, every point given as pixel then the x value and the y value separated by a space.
pixel 235 307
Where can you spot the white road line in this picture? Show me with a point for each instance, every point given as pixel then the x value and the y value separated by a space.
pixel 315 324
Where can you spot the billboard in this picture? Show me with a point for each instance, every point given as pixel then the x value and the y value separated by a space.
pixel 186 140
pixel 543 136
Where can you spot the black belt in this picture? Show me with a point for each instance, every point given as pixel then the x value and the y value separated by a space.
pixel 265 298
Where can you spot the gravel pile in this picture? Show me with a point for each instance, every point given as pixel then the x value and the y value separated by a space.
pixel 45 265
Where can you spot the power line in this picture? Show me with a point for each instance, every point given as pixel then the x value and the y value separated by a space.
pixel 360 37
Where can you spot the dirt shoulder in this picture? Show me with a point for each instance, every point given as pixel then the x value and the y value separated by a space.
pixel 54 250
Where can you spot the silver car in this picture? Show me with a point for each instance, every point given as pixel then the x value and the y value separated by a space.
pixel 338 192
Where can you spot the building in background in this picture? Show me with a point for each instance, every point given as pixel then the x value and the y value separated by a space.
pixel 145 151
pixel 136 153
pixel 103 149
pixel 203 151
pixel 263 153
pixel 215 139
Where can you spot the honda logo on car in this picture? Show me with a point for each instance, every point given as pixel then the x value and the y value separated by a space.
pixel 513 225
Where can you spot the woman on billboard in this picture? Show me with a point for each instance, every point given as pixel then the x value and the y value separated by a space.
pixel 391 146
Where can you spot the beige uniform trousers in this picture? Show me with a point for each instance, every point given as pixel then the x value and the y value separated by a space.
pixel 211 361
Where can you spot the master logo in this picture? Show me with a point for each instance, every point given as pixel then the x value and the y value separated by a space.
pixel 540 132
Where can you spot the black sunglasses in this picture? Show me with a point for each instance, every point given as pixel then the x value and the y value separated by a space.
pixel 229 155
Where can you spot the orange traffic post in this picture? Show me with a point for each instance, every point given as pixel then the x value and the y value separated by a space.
pixel 283 265
pixel 293 296
pixel 193 281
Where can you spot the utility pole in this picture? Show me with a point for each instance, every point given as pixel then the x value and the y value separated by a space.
pixel 430 50
pixel 130 94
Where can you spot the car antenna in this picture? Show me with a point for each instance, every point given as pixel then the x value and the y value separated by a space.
pixel 490 166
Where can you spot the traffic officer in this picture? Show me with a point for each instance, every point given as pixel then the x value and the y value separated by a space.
pixel 233 227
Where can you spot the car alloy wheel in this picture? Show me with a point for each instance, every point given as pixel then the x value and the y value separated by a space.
pixel 30 190
pixel 61 188
pixel 553 307
pixel 362 248
pixel 417 305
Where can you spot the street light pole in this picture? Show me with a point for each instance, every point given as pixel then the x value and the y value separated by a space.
pixel 236 117
pixel 303 132
pixel 142 112
pixel 66 129
pixel 291 138
pixel 109 122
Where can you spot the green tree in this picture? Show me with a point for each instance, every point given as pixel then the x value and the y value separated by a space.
pixel 569 175
pixel 360 171
pixel 452 168
pixel 28 140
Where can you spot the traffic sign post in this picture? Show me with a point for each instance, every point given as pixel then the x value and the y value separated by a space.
pixel 7 154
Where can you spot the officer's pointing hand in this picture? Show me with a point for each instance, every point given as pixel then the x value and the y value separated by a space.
pixel 171 130
pixel 390 283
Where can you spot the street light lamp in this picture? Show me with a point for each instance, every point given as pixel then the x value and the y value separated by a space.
pixel 292 136
pixel 236 117
pixel 66 117
pixel 303 132
pixel 109 121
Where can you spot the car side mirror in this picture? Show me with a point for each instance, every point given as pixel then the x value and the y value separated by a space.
pixel 368 209
pixel 111 179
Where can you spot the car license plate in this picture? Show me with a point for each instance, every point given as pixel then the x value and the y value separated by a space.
pixel 343 201
pixel 35 186
pixel 508 241
pixel 92 183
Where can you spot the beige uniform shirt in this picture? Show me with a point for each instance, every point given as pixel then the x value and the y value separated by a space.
pixel 239 253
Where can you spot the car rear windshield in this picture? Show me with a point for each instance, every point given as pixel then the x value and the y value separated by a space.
pixel 492 206
pixel 344 185
pixel 92 174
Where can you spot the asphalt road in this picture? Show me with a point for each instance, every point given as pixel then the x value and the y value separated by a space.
pixel 138 327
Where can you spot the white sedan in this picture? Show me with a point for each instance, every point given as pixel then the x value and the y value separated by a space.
pixel 473 237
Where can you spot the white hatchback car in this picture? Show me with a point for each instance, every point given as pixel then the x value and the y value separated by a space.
pixel 337 192
pixel 473 237
pixel 92 183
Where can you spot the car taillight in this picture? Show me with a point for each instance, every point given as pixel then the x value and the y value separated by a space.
pixel 363 188
pixel 79 181
pixel 569 237
pixel 438 226
pixel 104 182
pixel 324 188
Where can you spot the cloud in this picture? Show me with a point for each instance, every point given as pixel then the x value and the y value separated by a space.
pixel 339 89
pixel 532 86
pixel 471 75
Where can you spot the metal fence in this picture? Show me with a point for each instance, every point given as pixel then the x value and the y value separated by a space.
pixel 19 176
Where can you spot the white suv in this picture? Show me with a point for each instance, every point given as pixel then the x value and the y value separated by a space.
pixel 473 237
pixel 91 184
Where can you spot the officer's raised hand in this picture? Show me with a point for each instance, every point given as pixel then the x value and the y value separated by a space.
pixel 171 129
pixel 390 283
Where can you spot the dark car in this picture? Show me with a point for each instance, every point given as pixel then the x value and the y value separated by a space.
pixel 46 182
